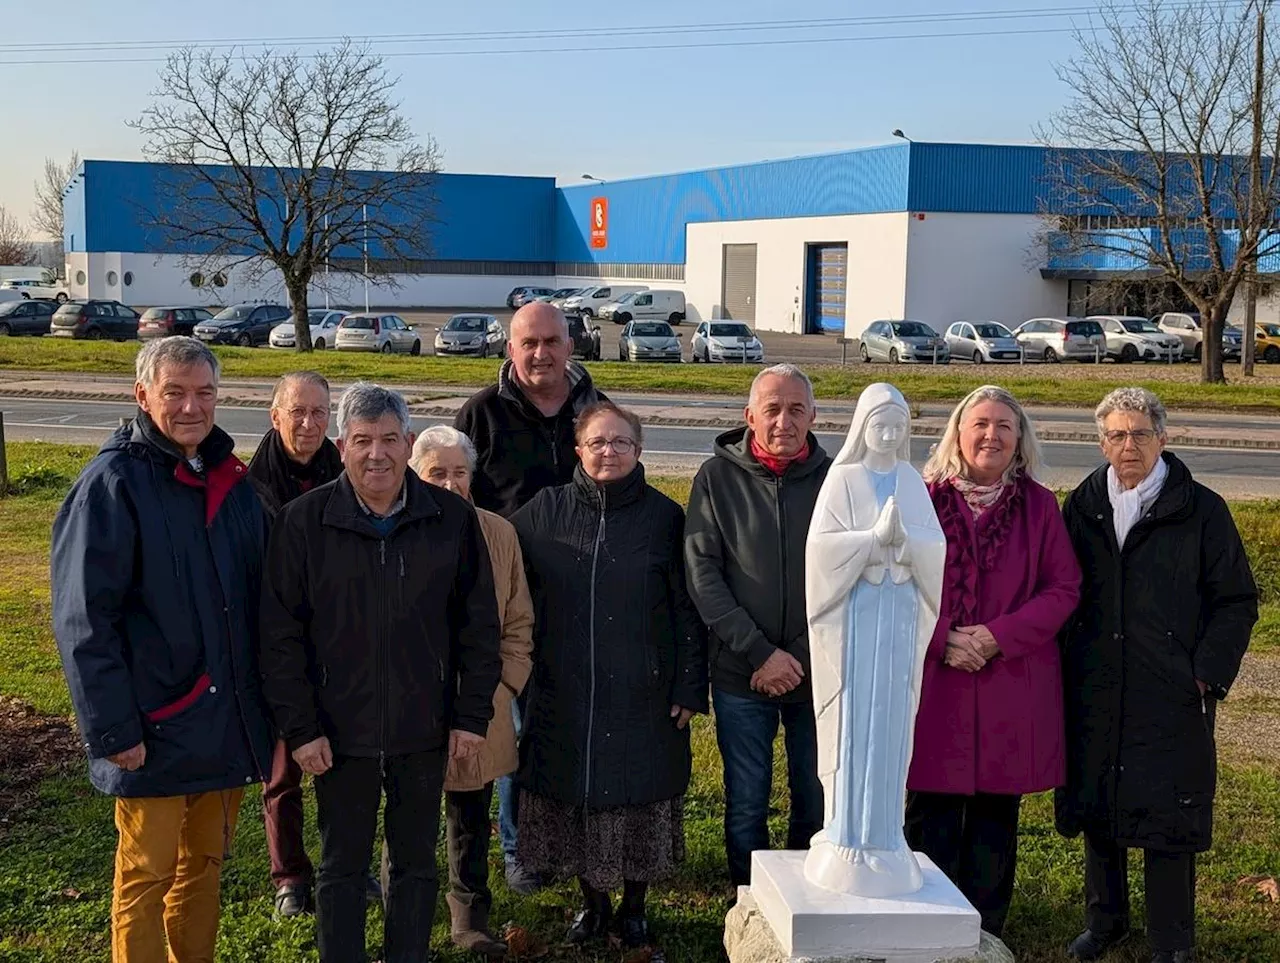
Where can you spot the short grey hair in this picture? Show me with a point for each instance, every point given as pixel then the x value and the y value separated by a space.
pixel 180 351
pixel 313 378
pixel 946 462
pixel 1138 400
pixel 441 436
pixel 784 370
pixel 365 401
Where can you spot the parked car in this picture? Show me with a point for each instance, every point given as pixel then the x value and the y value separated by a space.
pixel 94 320
pixel 521 296
pixel 1137 339
pixel 1187 327
pixel 323 323
pixel 477 334
pixel 247 325
pixel 377 332
pixel 982 341
pixel 44 287
pixel 589 302
pixel 1062 339
pixel 560 295
pixel 585 338
pixel 725 341
pixel 898 341
pixel 645 306
pixel 26 317
pixel 1267 346
pixel 649 341
pixel 163 322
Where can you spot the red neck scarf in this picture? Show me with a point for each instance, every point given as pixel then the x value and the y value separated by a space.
pixel 775 463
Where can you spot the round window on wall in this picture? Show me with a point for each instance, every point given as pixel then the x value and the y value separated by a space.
pixel 112 279
pixel 80 278
pixel 219 280
pixel 128 278
pixel 197 279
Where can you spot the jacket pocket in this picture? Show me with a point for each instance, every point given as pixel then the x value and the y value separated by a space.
pixel 182 703
pixel 188 740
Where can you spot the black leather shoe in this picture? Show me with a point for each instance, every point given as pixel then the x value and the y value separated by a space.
pixel 634 931
pixel 1093 946
pixel 1173 956
pixel 293 899
pixel 589 926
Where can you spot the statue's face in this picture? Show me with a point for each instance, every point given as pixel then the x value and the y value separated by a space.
pixel 886 430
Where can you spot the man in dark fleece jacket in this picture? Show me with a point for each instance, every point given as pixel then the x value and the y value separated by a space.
pixel 745 534
pixel 522 427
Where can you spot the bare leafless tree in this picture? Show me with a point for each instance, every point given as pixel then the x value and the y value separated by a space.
pixel 1156 168
pixel 15 244
pixel 46 215
pixel 292 162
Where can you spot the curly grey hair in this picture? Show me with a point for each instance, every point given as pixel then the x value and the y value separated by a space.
pixel 783 370
pixel 945 461
pixel 364 401
pixel 1138 400
pixel 180 351
pixel 441 436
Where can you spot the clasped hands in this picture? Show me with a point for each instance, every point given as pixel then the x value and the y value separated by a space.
pixel 890 532
pixel 970 648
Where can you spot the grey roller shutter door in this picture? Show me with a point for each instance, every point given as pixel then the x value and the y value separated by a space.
pixel 738 282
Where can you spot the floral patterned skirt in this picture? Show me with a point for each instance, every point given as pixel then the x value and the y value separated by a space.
pixel 604 846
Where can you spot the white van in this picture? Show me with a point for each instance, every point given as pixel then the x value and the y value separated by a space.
pixel 645 306
pixel 590 301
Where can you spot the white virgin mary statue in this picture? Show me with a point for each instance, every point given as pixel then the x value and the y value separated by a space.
pixel 873 564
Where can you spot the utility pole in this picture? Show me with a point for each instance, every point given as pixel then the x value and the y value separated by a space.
pixel 1247 349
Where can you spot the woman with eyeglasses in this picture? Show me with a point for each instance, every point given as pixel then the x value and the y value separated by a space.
pixel 619 669
pixel 990 727
pixel 1166 609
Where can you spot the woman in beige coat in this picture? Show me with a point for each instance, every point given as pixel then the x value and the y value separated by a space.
pixel 445 457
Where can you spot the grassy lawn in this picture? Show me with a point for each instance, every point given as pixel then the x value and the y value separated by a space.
pixel 1075 385
pixel 55 857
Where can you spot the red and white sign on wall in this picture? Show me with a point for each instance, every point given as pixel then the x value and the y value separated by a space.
pixel 599 222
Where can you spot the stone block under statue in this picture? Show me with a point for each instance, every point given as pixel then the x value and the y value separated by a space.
pixel 812 922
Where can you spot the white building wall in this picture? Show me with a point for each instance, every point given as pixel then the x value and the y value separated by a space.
pixel 978 267
pixel 876 267
pixel 166 279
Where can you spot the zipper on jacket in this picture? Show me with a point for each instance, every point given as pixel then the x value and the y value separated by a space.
pixel 782 559
pixel 591 700
pixel 382 650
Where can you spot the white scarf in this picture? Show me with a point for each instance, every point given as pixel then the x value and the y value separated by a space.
pixel 1130 504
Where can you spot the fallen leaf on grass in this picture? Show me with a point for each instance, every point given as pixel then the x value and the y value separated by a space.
pixel 1265 886
pixel 521 944
pixel 71 893
pixel 642 955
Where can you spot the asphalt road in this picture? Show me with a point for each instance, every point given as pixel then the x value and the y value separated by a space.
pixel 673 449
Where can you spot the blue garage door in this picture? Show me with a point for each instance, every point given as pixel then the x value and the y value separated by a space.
pixel 827 277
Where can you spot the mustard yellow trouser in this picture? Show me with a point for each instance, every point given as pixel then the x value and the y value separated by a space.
pixel 164 907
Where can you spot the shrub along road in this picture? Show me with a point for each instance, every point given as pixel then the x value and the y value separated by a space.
pixel 56 840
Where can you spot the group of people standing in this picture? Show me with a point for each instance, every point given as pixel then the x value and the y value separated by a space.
pixel 506 605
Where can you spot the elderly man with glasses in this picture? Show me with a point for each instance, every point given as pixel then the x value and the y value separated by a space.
pixel 1166 608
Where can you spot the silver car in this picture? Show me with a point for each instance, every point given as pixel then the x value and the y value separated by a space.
pixel 725 341
pixel 648 341
pixel 1062 339
pixel 477 334
pixel 324 328
pixel 899 341
pixel 386 333
pixel 982 341
pixel 1137 339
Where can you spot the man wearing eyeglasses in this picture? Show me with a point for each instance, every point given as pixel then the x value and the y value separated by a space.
pixel 1166 608
pixel 293 457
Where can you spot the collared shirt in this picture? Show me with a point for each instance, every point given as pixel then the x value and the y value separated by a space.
pixel 396 508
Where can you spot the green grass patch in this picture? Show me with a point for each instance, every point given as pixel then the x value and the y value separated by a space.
pixel 1033 385
pixel 56 861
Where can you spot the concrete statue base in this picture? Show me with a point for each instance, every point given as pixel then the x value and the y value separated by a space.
pixel 783 918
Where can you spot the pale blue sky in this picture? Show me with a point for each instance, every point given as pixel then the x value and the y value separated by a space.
pixel 574 104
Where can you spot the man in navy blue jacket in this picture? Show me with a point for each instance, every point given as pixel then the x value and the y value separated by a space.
pixel 156 572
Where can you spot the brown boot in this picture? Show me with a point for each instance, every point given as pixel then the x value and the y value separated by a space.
pixel 470 930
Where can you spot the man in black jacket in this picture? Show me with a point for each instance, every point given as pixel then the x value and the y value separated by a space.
pixel 293 457
pixel 522 429
pixel 380 649
pixel 748 521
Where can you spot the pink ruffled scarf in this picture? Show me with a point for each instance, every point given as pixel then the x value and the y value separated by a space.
pixel 978 497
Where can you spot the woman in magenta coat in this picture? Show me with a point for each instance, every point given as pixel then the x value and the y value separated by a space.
pixel 990 723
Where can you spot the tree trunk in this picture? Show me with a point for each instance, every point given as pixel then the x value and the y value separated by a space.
pixel 1211 322
pixel 297 289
